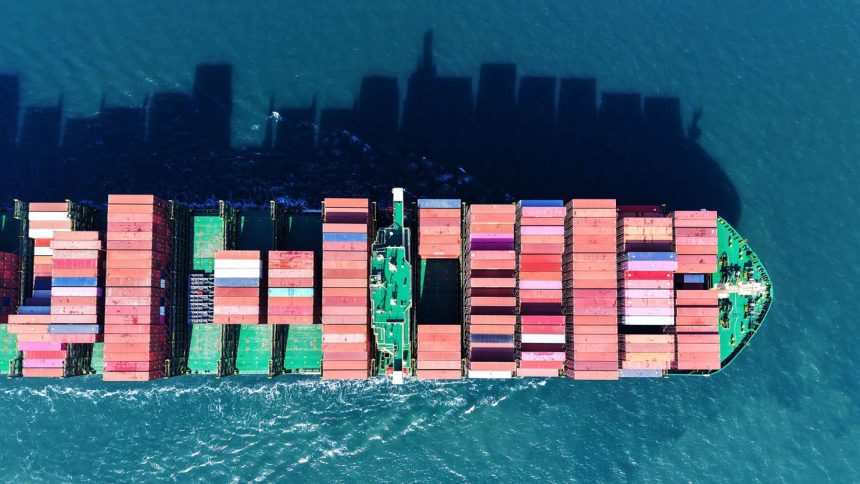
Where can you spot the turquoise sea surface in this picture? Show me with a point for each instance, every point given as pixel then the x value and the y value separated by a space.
pixel 777 83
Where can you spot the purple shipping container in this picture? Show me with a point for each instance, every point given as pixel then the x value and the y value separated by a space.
pixel 43 363
pixel 542 230
pixel 646 265
pixel 40 346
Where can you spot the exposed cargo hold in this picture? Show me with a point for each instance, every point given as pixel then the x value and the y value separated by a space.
pixel 439 315
pixel 587 290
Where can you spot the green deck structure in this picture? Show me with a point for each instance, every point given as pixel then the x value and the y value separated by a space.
pixel 10 358
pixel 746 291
pixel 213 349
pixel 254 350
pixel 391 295
pixel 97 360
pixel 303 351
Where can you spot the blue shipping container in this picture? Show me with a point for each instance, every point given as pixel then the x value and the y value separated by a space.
pixel 541 203
pixel 491 338
pixel 344 237
pixel 291 292
pixel 74 329
pixel 34 310
pixel 75 281
pixel 694 278
pixel 438 203
pixel 237 282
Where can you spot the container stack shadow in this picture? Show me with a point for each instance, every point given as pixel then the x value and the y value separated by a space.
pixel 453 137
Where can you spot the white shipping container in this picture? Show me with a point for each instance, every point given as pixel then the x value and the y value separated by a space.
pixel 344 338
pixel 490 374
pixel 76 291
pixel 238 273
pixel 543 338
pixel 55 216
pixel 44 233
pixel 237 264
pixel 238 310
pixel 648 320
pixel 43 251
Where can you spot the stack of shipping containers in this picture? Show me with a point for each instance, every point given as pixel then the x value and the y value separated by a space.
pixel 439 330
pixel 9 267
pixel 8 285
pixel 345 313
pixel 540 320
pixel 291 287
pixel 139 249
pixel 77 288
pixel 591 291
pixel 46 358
pixel 292 303
pixel 490 291
pixel 647 304
pixel 237 301
pixel 238 274
pixel 697 311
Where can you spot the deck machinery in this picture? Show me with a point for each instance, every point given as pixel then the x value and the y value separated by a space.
pixel 391 295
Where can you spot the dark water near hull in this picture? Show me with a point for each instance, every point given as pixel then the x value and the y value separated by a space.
pixel 776 84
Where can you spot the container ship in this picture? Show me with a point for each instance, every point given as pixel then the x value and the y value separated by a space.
pixel 144 288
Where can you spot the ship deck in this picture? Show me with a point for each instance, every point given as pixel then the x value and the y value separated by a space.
pixel 749 291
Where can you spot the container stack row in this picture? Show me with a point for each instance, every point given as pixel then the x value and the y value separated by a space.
pixel 696 241
pixel 646 355
pixel 8 285
pixel 77 288
pixel 697 311
pixel 238 279
pixel 42 357
pixel 139 250
pixel 698 339
pixel 647 279
pixel 647 303
pixel 540 321
pixel 439 224
pixel 439 332
pixel 590 289
pixel 291 287
pixel 490 290
pixel 345 298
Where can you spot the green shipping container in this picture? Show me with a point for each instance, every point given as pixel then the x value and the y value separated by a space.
pixel 97 360
pixel 207 238
pixel 8 349
pixel 303 353
pixel 254 352
pixel 207 345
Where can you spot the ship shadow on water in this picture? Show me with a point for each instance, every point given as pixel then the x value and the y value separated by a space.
pixel 501 137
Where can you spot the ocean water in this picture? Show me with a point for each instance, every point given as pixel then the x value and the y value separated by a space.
pixel 777 83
